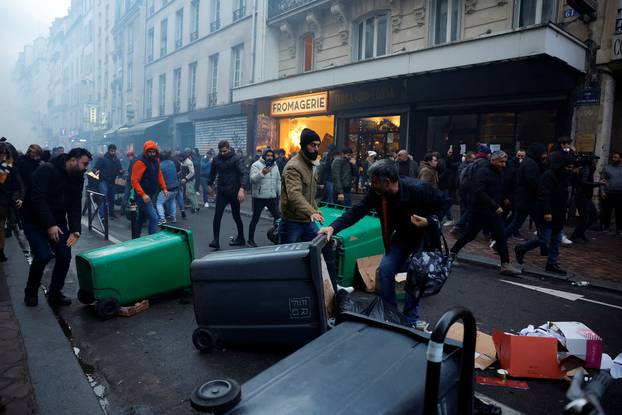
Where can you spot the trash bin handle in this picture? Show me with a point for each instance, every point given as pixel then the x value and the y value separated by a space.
pixel 319 241
pixel 435 359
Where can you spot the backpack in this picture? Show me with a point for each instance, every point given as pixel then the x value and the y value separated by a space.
pixel 468 174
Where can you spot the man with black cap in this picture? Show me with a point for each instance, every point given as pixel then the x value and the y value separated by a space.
pixel 266 188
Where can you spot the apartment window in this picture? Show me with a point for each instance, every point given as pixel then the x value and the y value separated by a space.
pixel 239 9
pixel 445 21
pixel 194 20
pixel 150 45
pixel 215 14
pixel 372 36
pixel 179 28
pixel 163 36
pixel 162 94
pixel 177 90
pixel 236 65
pixel 308 51
pixel 150 7
pixel 148 98
pixel 130 75
pixel 130 39
pixel 192 86
pixel 212 92
pixel 532 12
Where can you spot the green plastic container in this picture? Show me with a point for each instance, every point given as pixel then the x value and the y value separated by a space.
pixel 131 271
pixel 361 240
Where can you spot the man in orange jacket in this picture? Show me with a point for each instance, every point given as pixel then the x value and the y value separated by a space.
pixel 147 180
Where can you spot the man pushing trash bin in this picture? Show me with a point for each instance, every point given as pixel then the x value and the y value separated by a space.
pixel 405 207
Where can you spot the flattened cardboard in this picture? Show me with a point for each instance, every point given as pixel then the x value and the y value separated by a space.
pixel 527 356
pixel 485 354
pixel 367 269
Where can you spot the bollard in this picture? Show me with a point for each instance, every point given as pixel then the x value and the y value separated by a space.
pixel 133 219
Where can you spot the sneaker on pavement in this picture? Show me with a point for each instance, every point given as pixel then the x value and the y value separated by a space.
pixel 214 244
pixel 509 269
pixel 251 243
pixel 520 254
pixel 183 214
pixel 565 240
pixel 237 242
pixel 59 300
pixel 555 269
pixel 206 205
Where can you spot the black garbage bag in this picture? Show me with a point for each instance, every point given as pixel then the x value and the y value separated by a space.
pixel 370 305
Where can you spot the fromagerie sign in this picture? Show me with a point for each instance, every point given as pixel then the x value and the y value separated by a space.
pixel 299 105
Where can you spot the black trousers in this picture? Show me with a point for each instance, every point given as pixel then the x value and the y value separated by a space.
pixel 587 216
pixel 611 203
pixel 495 224
pixel 258 206
pixel 222 200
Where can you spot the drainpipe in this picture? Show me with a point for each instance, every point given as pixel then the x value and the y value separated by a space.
pixel 603 136
pixel 254 41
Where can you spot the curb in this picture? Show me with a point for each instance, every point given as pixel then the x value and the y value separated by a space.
pixel 492 263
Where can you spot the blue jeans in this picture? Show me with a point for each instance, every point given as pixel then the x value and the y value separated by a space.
pixel 167 204
pixel 394 261
pixel 108 190
pixel 204 188
pixel 147 211
pixel 328 193
pixel 179 197
pixel 547 237
pixel 43 249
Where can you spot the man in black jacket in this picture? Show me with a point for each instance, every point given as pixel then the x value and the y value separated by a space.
pixel 109 167
pixel 405 206
pixel 489 199
pixel 583 189
pixel 232 176
pixel 51 216
pixel 552 204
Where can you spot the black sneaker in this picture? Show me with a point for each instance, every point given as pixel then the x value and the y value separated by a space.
pixel 59 300
pixel 214 244
pixel 31 300
pixel 555 269
pixel 251 243
pixel 237 242
pixel 520 254
pixel 183 214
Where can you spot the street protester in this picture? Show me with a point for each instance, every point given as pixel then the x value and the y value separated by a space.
pixel 487 207
pixel 229 171
pixel 52 221
pixel 427 171
pixel 343 170
pixel 188 179
pixel 447 170
pixel 583 186
pixel 109 168
pixel 205 167
pixel 147 181
pixel 166 205
pixel 266 188
pixel 552 205
pixel 466 180
pixel 28 163
pixel 299 209
pixel 405 207
pixel 611 196
pixel 406 165
pixel 11 194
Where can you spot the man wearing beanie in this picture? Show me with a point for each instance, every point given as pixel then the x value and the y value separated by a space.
pixel 299 209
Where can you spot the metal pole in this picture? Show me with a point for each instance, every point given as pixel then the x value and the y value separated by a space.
pixel 133 219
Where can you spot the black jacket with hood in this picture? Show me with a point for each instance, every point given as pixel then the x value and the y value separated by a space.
pixel 553 191
pixel 488 190
pixel 528 178
pixel 231 172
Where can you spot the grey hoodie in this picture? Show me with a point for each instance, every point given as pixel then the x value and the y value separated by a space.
pixel 613 175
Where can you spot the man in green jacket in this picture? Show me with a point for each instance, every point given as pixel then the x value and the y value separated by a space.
pixel 342 168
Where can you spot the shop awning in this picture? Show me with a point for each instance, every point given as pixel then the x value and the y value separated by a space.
pixel 139 128
pixel 537 41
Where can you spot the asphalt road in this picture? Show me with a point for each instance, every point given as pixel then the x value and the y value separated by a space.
pixel 148 361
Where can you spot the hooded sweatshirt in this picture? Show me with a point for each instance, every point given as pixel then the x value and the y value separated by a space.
pixel 528 178
pixel 146 174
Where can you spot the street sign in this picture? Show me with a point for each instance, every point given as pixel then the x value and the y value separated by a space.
pixel 588 96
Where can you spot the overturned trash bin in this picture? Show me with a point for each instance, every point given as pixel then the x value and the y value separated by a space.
pixel 123 273
pixel 270 295
pixel 362 366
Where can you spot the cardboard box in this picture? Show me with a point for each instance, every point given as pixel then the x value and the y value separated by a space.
pixel 134 309
pixel 485 354
pixel 528 356
pixel 367 269
pixel 581 342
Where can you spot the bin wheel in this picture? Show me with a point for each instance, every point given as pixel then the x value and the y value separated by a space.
pixel 203 340
pixel 85 297
pixel 216 396
pixel 107 308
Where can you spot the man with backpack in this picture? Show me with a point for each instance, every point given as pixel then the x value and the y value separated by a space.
pixel 465 185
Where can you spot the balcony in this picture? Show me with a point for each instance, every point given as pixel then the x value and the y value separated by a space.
pixel 178 43
pixel 239 13
pixel 194 35
pixel 212 99
pixel 276 8
pixel 214 26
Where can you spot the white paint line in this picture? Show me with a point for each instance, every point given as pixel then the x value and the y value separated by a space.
pixel 601 303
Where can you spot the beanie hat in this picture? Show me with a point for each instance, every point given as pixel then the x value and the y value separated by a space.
pixel 307 136
pixel 484 149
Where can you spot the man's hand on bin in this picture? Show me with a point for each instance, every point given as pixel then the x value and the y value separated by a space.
pixel 317 217
pixel 328 231
pixel 419 221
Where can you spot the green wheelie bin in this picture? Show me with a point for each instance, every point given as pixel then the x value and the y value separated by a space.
pixel 121 274
pixel 361 240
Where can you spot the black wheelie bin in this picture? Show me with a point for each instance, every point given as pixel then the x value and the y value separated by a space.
pixel 270 295
pixel 362 366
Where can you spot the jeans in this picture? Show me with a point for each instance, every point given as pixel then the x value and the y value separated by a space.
pixel 146 211
pixel 258 206
pixel 328 193
pixel 222 200
pixel 204 187
pixel 43 249
pixel 587 216
pixel 480 222
pixel 191 194
pixel 394 261
pixel 547 237
pixel 108 190
pixel 166 204
pixel 179 198
pixel 292 232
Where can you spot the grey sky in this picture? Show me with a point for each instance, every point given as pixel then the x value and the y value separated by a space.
pixel 22 22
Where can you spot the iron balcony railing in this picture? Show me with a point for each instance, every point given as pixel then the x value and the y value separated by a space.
pixel 279 7
pixel 212 99
pixel 214 26
pixel 239 13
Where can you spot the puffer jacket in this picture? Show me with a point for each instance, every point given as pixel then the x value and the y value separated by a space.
pixel 231 173
pixel 298 189
pixel 266 186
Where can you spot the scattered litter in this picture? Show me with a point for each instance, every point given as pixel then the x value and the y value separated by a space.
pixel 134 309
pixel 503 374
pixel 544 330
pixel 485 354
pixel 508 383
pixel 580 283
pixel 614 366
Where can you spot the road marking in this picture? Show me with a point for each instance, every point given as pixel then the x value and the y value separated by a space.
pixel 111 238
pixel 561 294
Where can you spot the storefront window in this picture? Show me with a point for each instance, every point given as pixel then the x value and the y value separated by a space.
pixel 379 134
pixel 290 129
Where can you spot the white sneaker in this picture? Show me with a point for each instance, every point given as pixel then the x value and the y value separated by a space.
pixel 492 244
pixel 206 205
pixel 346 289
pixel 566 241
pixel 449 223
